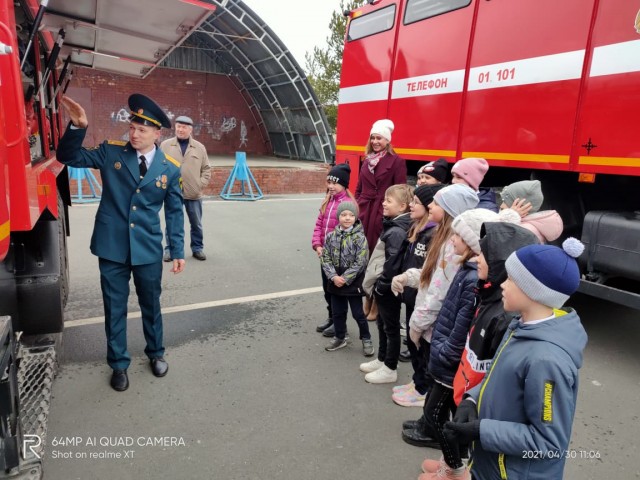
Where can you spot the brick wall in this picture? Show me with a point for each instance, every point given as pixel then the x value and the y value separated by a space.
pixel 272 181
pixel 212 101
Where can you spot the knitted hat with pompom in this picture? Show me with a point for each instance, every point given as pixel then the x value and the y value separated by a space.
pixel 545 273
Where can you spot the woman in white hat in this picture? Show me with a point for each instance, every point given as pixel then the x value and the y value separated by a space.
pixel 381 168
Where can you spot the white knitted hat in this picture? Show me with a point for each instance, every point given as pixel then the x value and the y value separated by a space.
pixel 469 223
pixel 383 128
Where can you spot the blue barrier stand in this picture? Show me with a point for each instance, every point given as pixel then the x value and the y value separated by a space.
pixel 80 174
pixel 242 173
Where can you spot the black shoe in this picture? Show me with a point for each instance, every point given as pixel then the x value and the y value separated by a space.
pixel 416 438
pixel 166 257
pixel 411 424
pixel 330 331
pixel 200 256
pixel 324 326
pixel 119 380
pixel 405 342
pixel 159 366
pixel 405 356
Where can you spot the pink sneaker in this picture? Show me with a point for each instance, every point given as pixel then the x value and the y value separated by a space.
pixel 431 466
pixel 409 398
pixel 402 388
pixel 446 473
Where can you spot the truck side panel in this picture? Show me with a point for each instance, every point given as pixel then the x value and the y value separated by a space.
pixel 426 96
pixel 607 121
pixel 524 82
pixel 364 86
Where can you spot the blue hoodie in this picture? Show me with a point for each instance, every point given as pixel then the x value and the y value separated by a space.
pixel 527 401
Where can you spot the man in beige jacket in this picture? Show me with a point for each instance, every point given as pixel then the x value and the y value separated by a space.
pixel 196 173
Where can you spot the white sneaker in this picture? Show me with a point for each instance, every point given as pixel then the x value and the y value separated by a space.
pixel 383 375
pixel 371 366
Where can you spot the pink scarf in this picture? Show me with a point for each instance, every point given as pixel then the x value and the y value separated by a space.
pixel 373 158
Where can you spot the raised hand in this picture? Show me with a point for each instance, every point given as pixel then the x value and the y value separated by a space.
pixel 75 111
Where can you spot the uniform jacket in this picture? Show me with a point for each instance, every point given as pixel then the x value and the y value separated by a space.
pixel 127 224
pixel 394 234
pixel 430 297
pixel 491 321
pixel 452 325
pixel 527 401
pixel 414 256
pixel 346 254
pixel 194 166
pixel 391 170
pixel 327 221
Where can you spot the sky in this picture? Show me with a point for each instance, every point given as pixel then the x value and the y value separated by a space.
pixel 300 24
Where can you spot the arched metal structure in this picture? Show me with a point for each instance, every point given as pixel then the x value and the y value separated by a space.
pixel 234 41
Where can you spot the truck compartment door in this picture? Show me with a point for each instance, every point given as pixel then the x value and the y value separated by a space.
pixel 428 77
pixel 607 133
pixel 524 81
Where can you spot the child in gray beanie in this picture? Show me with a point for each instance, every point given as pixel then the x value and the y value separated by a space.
pixel 455 199
pixel 344 261
pixel 527 191
pixel 526 198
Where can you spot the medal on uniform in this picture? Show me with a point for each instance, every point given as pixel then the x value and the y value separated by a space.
pixel 164 181
pixel 117 165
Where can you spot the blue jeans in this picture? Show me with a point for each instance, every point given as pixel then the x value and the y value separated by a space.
pixel 194 212
pixel 340 307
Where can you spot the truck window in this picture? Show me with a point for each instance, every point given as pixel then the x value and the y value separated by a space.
pixel 420 9
pixel 372 23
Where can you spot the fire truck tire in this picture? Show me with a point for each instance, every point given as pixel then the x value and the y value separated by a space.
pixel 64 254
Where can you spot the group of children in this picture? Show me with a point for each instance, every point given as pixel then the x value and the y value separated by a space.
pixel 495 361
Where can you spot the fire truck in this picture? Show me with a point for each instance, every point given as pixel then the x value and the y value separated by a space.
pixel 40 43
pixel 542 89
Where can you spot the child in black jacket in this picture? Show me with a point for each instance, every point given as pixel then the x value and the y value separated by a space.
pixel 395 224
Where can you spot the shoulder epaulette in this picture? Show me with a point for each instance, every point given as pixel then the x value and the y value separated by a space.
pixel 173 160
pixel 120 143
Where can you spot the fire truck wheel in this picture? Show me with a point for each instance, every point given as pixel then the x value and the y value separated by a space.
pixel 64 259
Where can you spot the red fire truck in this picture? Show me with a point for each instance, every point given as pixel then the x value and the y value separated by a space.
pixel 39 45
pixel 542 89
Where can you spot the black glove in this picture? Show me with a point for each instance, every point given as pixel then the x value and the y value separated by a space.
pixel 464 433
pixel 467 412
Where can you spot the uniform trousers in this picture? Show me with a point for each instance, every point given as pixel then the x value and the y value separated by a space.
pixel 114 281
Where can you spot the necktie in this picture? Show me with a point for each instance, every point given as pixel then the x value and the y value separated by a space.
pixel 143 166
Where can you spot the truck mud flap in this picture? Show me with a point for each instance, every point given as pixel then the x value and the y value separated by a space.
pixel 36 371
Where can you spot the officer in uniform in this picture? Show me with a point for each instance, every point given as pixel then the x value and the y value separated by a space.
pixel 138 179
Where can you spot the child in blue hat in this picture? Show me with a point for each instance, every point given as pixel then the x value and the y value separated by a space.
pixel 520 416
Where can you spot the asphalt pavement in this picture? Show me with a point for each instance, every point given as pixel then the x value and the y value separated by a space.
pixel 251 393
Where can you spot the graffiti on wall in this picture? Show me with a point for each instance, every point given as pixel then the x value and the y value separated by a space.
pixel 215 130
pixel 228 124
pixel 122 115
pixel 243 134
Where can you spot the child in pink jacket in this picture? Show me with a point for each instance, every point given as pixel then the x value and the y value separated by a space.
pixel 337 192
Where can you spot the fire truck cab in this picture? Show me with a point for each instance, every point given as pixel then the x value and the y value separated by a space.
pixel 541 89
